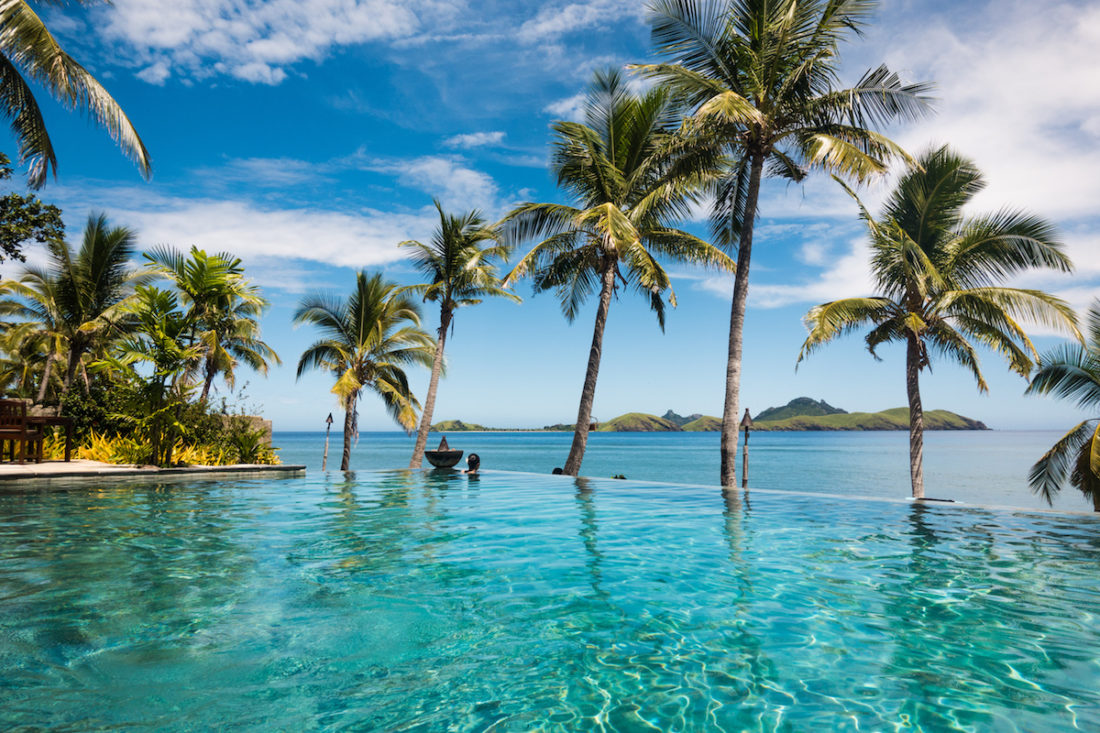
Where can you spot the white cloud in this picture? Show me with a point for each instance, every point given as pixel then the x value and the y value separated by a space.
pixel 277 241
pixel 1017 90
pixel 264 172
pixel 156 74
pixel 446 178
pixel 570 108
pixel 849 276
pixel 553 21
pixel 253 41
pixel 474 139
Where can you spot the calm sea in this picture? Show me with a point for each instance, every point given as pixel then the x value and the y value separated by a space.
pixel 977 467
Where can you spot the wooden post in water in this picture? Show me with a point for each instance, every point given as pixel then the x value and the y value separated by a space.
pixel 328 427
pixel 746 423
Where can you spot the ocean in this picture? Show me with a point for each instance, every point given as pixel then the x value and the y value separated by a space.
pixel 973 467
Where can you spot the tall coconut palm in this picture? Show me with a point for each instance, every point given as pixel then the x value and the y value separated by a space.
pixel 28 51
pixel 939 278
pixel 762 80
pixel 630 177
pixel 460 264
pixel 223 309
pixel 1072 372
pixel 79 295
pixel 368 340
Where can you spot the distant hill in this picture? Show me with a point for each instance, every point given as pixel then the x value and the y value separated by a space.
pixel 457 426
pixel 799 407
pixel 680 419
pixel 703 424
pixel 893 419
pixel 823 416
pixel 638 422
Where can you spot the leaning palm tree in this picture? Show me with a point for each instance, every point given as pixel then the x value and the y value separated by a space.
pixel 28 51
pixel 761 78
pixel 630 176
pixel 80 294
pixel 1072 372
pixel 460 264
pixel 938 275
pixel 223 309
pixel 368 340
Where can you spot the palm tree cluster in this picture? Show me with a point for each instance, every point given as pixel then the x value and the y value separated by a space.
pixel 749 90
pixel 92 314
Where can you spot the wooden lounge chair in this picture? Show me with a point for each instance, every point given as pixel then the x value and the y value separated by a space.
pixel 17 433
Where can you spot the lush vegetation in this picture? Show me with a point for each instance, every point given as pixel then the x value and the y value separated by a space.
pixel 97 339
pixel 939 277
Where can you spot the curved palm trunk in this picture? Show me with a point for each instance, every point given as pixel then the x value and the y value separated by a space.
pixel 45 378
pixel 916 416
pixel 417 459
pixel 349 428
pixel 588 394
pixel 730 420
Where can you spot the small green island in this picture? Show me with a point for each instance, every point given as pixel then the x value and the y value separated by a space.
pixel 800 414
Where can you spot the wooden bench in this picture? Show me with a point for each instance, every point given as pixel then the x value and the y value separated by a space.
pixel 17 431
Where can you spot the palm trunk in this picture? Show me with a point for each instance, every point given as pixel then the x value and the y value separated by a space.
pixel 45 379
pixel 417 459
pixel 208 381
pixel 588 394
pixel 916 416
pixel 70 373
pixel 349 427
pixel 730 412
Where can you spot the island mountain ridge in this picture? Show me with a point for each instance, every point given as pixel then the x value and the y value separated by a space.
pixel 800 414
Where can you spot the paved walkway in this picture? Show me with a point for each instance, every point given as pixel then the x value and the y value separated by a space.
pixel 50 470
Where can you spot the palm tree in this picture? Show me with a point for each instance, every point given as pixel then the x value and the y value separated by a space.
pixel 630 175
pixel 461 272
pixel 762 80
pixel 223 309
pixel 1072 372
pixel 938 276
pixel 158 340
pixel 79 296
pixel 367 341
pixel 28 51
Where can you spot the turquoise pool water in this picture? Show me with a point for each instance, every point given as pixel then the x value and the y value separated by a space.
pixel 513 602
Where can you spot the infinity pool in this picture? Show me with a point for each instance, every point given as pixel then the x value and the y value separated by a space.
pixel 513 602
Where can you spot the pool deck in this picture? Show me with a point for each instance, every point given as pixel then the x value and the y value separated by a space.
pixel 14 474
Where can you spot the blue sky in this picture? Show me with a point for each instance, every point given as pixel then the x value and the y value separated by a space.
pixel 309 136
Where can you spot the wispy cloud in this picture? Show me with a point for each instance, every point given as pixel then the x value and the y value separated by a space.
pixel 1017 91
pixel 474 140
pixel 556 19
pixel 272 238
pixel 444 177
pixel 255 42
pixel 569 108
